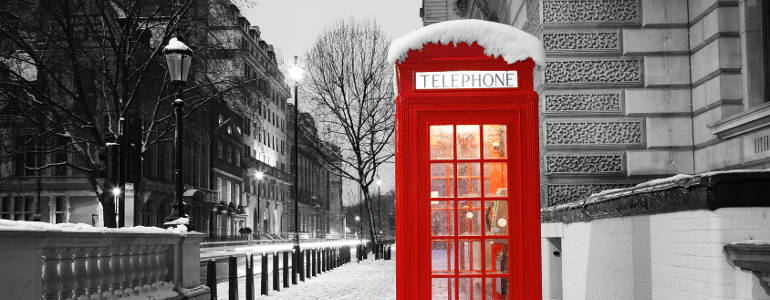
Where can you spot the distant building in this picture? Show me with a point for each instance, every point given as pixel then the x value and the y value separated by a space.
pixel 320 189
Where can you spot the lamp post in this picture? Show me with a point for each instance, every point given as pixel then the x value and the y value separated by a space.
pixel 358 220
pixel 379 206
pixel 258 175
pixel 178 58
pixel 295 74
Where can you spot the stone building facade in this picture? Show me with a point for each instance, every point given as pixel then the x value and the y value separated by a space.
pixel 639 89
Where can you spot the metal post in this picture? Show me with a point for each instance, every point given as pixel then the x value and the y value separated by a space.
pixel 307 264
pixel 211 277
pixel 259 214
pixel 296 174
pixel 301 266
pixel 232 285
pixel 250 277
pixel 285 269
pixel 294 266
pixel 263 276
pixel 177 209
pixel 313 270
pixel 276 271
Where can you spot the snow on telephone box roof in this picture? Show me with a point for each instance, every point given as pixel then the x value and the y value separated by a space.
pixel 497 40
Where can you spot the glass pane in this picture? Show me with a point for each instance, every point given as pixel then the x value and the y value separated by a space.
pixel 494 141
pixel 469 217
pixel 441 221
pixel 495 179
pixel 497 288
pixel 18 204
pixel 441 142
pixel 441 288
pixel 496 256
pixel 470 288
pixel 496 217
pixel 468 142
pixel 469 256
pixel 468 184
pixel 441 180
pixel 441 257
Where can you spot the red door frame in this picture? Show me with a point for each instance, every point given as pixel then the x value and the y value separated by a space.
pixel 418 108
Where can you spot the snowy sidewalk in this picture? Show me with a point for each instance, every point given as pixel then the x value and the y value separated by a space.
pixel 369 279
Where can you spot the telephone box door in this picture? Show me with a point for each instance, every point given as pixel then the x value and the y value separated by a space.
pixel 471 194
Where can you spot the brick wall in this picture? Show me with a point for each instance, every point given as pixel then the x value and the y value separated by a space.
pixel 664 256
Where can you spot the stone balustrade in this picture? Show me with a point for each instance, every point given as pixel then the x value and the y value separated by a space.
pixel 98 265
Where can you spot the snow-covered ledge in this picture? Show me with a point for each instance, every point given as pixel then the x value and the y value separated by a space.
pixel 752 256
pixel 78 261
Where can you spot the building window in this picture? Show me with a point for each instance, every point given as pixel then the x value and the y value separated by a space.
pixel 60 212
pixel 238 158
pixel 220 191
pixel 17 208
pixel 237 193
pixel 229 154
pixel 219 149
pixel 229 190
pixel 161 170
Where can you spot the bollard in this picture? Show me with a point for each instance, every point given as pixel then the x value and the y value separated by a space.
pixel 312 254
pixel 301 266
pixel 358 253
pixel 263 276
pixel 316 260
pixel 376 251
pixel 294 266
pixel 211 277
pixel 249 277
pixel 325 263
pixel 285 269
pixel 307 263
pixel 232 286
pixel 276 273
pixel 366 250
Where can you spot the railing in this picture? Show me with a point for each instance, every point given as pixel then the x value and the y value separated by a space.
pixel 99 265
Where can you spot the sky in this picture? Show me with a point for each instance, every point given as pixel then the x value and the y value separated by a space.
pixel 292 26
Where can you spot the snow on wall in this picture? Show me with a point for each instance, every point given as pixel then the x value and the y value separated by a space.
pixel 81 227
pixel 497 39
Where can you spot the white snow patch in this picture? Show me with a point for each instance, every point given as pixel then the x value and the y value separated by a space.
pixel 9 225
pixel 176 45
pixel 497 40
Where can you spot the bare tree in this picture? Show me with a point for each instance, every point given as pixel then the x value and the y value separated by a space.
pixel 350 89
pixel 98 62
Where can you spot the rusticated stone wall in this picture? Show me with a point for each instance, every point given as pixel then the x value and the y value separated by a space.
pixel 614 93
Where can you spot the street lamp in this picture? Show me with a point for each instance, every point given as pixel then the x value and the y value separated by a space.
pixel 295 74
pixel 358 220
pixel 258 175
pixel 179 59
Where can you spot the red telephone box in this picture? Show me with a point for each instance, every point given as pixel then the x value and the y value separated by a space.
pixel 467 179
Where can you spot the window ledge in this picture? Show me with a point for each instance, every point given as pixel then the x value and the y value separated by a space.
pixel 753 119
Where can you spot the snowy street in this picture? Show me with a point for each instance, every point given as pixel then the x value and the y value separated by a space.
pixel 369 279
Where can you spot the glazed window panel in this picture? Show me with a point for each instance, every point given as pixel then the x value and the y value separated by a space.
pixel 442 288
pixel 496 255
pixel 442 180
pixel 496 217
pixel 496 179
pixel 468 142
pixel 469 256
pixel 441 144
pixel 442 218
pixel 469 217
pixel 468 180
pixel 470 288
pixel 495 142
pixel 497 288
pixel 442 257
